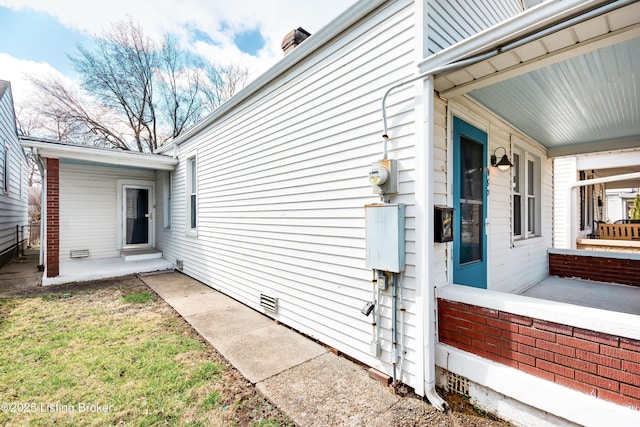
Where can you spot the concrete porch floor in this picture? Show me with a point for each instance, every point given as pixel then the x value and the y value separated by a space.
pixel 80 270
pixel 607 296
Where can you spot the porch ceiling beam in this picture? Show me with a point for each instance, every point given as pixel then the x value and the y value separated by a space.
pixel 606 179
pixel 593 147
pixel 611 160
pixel 555 57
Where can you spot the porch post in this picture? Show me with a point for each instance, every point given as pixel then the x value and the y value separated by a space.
pixel 53 218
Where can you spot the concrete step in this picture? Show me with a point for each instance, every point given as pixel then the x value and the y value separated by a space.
pixel 140 254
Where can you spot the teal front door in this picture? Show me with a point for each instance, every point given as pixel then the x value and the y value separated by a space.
pixel 470 203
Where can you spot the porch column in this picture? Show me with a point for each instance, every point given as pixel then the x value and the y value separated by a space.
pixel 564 211
pixel 53 218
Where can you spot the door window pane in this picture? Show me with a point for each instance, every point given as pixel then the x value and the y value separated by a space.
pixel 137 209
pixel 471 201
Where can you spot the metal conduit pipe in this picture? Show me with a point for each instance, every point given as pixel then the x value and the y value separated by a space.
pixel 401 327
pixel 394 328
pixel 377 315
pixel 375 323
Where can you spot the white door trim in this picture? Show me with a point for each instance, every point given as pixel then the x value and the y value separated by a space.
pixel 122 185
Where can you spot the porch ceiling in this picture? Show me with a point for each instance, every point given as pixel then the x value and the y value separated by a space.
pixel 576 90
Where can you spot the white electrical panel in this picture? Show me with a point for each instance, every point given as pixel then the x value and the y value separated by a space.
pixel 385 237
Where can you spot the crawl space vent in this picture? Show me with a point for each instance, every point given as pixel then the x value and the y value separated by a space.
pixel 457 384
pixel 179 264
pixel 79 253
pixel 269 303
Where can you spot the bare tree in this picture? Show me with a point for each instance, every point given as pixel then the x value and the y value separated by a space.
pixel 135 93
pixel 182 86
pixel 67 116
pixel 222 83
pixel 119 74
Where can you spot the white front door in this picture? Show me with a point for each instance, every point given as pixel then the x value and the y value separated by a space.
pixel 137 214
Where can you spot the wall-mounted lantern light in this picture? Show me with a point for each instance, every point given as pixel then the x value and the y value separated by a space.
pixel 504 164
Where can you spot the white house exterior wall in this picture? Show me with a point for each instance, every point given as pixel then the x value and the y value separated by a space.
pixel 450 22
pixel 282 185
pixel 89 217
pixel 13 203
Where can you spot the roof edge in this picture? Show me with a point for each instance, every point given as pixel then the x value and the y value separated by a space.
pixel 56 149
pixel 310 45
pixel 521 25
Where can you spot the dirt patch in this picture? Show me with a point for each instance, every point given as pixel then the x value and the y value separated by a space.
pixel 123 282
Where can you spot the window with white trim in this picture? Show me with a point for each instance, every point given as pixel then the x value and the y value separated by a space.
pixel 5 169
pixel 527 206
pixel 192 194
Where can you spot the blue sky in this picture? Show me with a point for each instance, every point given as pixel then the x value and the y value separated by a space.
pixel 37 35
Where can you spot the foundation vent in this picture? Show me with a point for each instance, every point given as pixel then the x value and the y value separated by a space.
pixel 79 253
pixel 179 264
pixel 269 303
pixel 457 384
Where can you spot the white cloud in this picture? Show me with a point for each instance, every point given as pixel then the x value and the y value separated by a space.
pixel 219 19
pixel 16 71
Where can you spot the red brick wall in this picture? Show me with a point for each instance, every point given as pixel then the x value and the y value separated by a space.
pixel 53 218
pixel 625 271
pixel 591 362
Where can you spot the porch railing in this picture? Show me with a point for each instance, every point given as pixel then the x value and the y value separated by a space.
pixel 17 248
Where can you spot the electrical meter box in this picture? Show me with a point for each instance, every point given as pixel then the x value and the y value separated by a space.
pixel 385 237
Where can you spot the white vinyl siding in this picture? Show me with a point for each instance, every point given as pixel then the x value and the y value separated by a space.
pixel 13 201
pixel 88 208
pixel 167 190
pixel 282 185
pixel 450 22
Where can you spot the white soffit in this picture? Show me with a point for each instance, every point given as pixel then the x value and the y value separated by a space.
pixel 580 85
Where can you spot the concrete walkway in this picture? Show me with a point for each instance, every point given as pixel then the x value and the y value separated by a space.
pixel 313 386
pixel 21 273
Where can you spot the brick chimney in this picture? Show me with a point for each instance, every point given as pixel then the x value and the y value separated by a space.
pixel 293 39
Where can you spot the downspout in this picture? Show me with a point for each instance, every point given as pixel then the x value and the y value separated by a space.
pixel 43 206
pixel 430 302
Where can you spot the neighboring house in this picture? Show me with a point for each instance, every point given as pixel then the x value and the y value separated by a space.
pixel 272 202
pixel 619 203
pixel 14 191
pixel 584 186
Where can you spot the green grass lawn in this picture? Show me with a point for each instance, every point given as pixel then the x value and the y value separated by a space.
pixel 116 356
